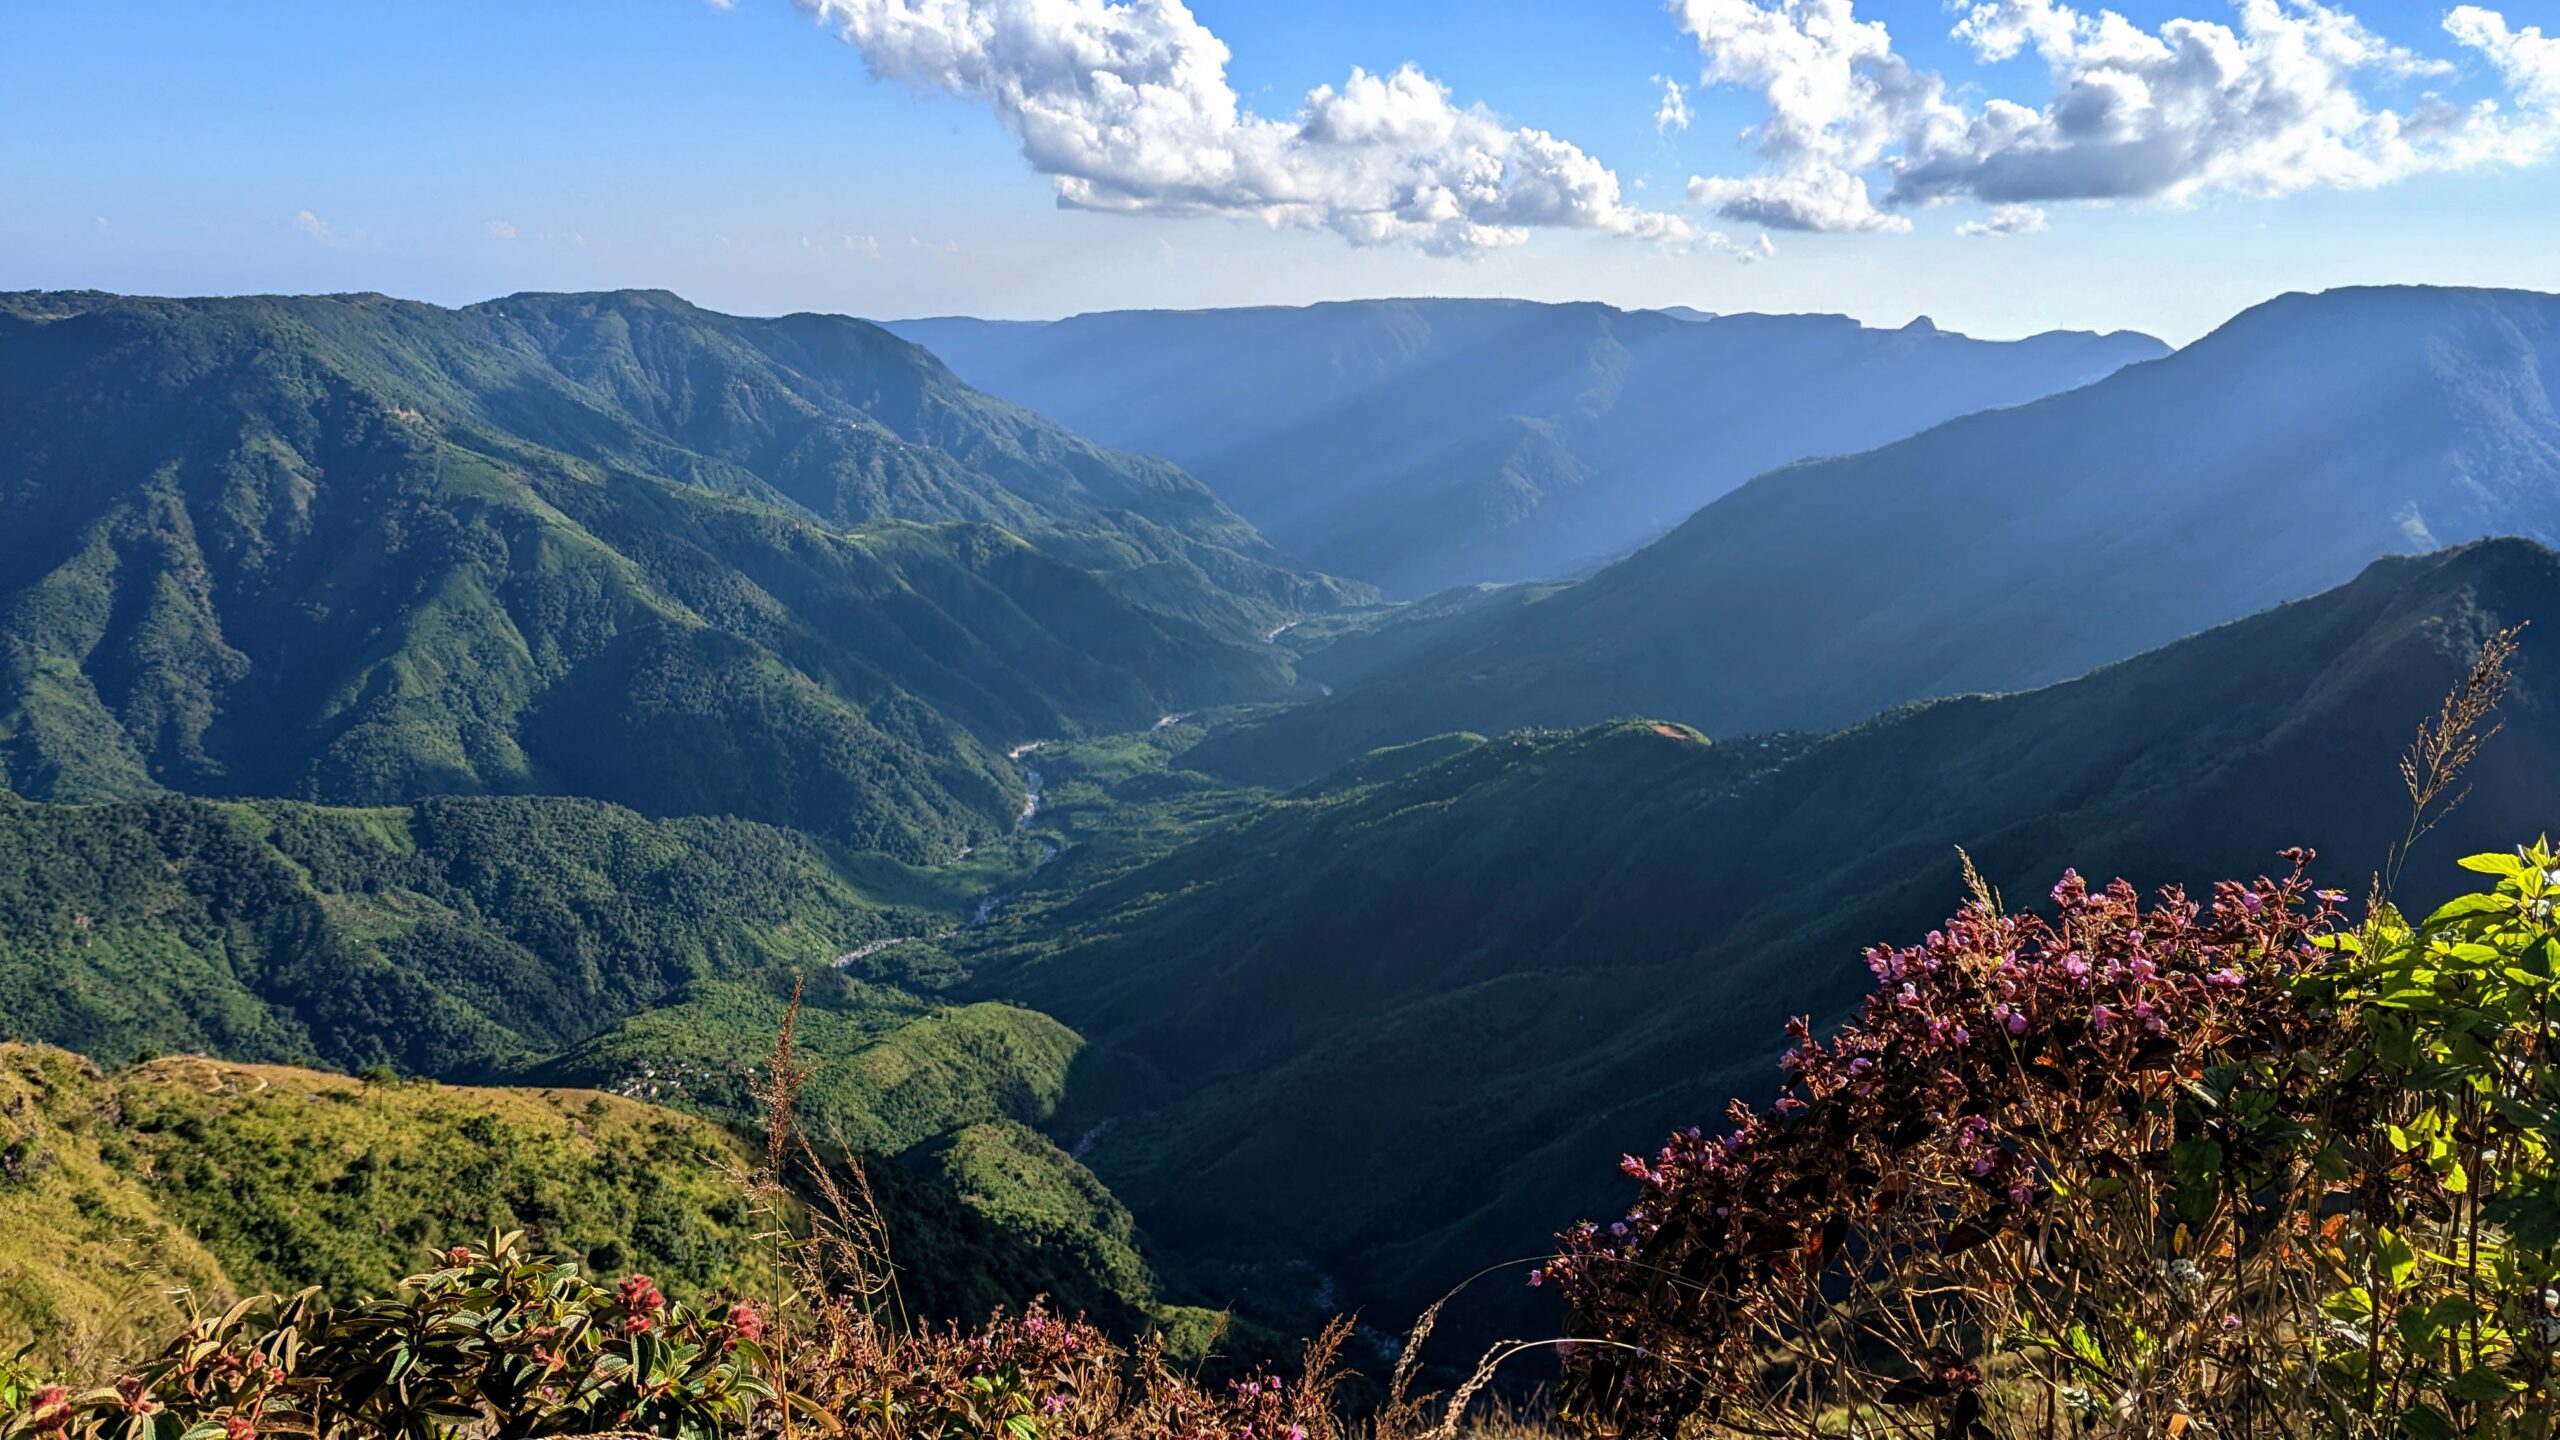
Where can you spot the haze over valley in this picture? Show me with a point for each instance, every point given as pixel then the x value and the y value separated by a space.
pixel 989 720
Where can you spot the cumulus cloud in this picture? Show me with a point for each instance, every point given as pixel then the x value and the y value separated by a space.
pixel 1126 106
pixel 2528 59
pixel 2005 220
pixel 1673 113
pixel 500 230
pixel 2278 101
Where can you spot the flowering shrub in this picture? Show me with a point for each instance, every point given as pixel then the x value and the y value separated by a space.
pixel 1035 1375
pixel 2130 1170
pixel 495 1341
pixel 499 1343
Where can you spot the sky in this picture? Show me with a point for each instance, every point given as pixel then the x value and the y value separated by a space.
pixel 2004 167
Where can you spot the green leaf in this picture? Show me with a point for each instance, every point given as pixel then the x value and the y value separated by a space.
pixel 2392 1255
pixel 2482 1385
pixel 2506 865
pixel 2464 905
pixel 2426 1422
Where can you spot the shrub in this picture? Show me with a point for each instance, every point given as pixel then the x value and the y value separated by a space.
pixel 498 1342
pixel 2218 1166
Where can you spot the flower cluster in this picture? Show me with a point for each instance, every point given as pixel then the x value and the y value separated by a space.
pixel 2010 1074
pixel 499 1340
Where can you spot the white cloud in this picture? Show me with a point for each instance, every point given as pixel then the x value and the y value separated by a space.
pixel 2528 59
pixel 500 230
pixel 1817 197
pixel 866 246
pixel 1126 106
pixel 2278 101
pixel 1672 115
pixel 2005 220
pixel 315 227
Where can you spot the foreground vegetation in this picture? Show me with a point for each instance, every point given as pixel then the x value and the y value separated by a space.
pixel 2231 1166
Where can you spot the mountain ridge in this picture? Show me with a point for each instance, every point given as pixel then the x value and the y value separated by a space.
pixel 1550 946
pixel 294 547
pixel 1424 443
pixel 2013 548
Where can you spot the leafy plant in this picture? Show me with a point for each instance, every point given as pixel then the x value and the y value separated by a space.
pixel 495 1341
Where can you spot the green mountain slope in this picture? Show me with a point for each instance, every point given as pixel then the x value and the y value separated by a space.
pixel 1462 976
pixel 359 551
pixel 560 946
pixel 454 937
pixel 2270 460
pixel 215 1178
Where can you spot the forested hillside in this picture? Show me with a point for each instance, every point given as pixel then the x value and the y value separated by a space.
pixel 361 551
pixel 1464 971
pixel 558 947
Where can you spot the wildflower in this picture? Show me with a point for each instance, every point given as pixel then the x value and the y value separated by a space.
pixel 240 1427
pixel 1633 1166
pixel 1537 1278
pixel 2230 1322
pixel 2227 977
pixel 2017 1022
pixel 458 1255
pixel 135 1396
pixel 1619 1229
pixel 2101 1016
pixel 1053 1403
pixel 2250 902
pixel 51 1409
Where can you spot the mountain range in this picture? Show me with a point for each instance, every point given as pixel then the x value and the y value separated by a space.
pixel 1422 444
pixel 536 697
pixel 356 550
pixel 1471 971
pixel 2270 460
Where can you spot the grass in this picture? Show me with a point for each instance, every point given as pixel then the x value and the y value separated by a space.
pixel 133 1196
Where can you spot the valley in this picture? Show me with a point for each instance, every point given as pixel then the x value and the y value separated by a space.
pixel 459 723
pixel 1185 720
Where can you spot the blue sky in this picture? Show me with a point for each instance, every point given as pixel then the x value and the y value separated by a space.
pixel 746 157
